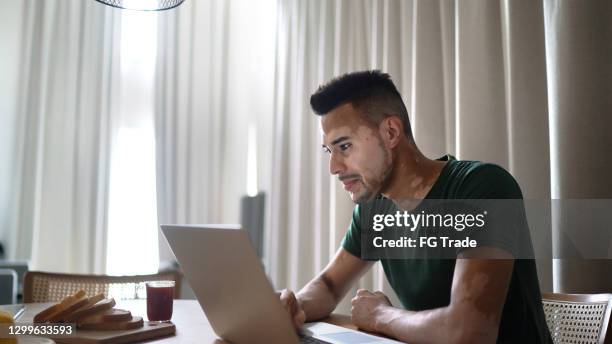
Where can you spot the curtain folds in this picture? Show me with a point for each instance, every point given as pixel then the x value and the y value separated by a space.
pixel 214 80
pixel 60 160
pixel 578 54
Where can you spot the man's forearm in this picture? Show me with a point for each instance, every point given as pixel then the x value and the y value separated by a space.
pixel 429 326
pixel 441 325
pixel 316 299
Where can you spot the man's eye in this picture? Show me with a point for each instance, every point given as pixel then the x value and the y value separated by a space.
pixel 326 150
pixel 345 146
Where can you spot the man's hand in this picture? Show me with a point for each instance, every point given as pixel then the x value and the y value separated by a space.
pixel 292 306
pixel 368 308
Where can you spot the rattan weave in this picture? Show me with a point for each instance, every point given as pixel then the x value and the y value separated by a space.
pixel 575 322
pixel 50 287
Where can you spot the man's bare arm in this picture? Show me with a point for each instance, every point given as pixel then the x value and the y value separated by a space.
pixel 319 297
pixel 477 298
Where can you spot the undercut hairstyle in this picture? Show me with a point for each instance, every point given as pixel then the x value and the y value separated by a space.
pixel 370 92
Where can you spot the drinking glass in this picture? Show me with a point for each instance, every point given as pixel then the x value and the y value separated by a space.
pixel 160 297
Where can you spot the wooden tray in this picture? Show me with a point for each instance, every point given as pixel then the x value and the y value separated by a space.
pixel 148 331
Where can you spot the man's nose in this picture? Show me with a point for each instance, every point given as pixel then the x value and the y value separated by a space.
pixel 336 164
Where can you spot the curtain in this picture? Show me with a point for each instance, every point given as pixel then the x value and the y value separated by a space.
pixel 472 74
pixel 60 127
pixel 10 24
pixel 578 55
pixel 214 85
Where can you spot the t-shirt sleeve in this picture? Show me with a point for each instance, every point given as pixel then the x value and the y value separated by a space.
pixel 506 223
pixel 352 239
pixel 490 181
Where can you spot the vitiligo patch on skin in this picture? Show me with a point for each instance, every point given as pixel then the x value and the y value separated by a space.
pixel 416 182
pixel 481 289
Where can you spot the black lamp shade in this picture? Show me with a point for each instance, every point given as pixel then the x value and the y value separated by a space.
pixel 143 5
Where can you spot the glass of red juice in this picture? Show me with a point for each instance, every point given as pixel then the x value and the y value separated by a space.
pixel 160 296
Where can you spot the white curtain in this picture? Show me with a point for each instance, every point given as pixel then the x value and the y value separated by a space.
pixel 11 21
pixel 215 80
pixel 60 127
pixel 578 57
pixel 472 74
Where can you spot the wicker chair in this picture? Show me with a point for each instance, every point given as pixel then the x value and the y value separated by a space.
pixel 578 318
pixel 51 287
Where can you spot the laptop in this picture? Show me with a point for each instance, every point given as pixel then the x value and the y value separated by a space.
pixel 232 288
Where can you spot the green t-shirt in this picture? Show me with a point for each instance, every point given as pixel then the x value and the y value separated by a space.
pixel 422 284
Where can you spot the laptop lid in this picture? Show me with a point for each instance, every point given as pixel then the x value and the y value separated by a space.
pixel 230 283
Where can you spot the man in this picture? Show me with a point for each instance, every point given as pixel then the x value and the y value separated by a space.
pixel 467 299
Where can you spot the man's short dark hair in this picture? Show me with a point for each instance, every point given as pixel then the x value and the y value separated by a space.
pixel 371 92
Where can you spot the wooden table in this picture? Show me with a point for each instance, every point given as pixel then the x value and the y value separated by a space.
pixel 191 323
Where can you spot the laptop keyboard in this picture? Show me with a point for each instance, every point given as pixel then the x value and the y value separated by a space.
pixel 311 340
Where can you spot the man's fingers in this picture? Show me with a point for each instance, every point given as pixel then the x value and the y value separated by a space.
pixel 380 293
pixel 288 301
pixel 300 316
pixel 361 290
pixel 284 302
pixel 299 319
pixel 291 305
pixel 360 293
pixel 285 294
pixel 353 300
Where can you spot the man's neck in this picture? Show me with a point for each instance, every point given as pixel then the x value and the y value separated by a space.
pixel 413 174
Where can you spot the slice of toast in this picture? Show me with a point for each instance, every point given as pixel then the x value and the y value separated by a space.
pixel 41 316
pixel 52 311
pixel 97 308
pixel 134 323
pixel 61 314
pixel 111 315
pixel 90 302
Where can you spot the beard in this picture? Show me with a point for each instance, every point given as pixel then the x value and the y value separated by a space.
pixel 372 187
pixel 366 196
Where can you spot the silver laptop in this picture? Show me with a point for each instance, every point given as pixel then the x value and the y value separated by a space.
pixel 231 286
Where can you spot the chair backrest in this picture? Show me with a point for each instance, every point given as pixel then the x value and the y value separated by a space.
pixel 8 286
pixel 578 318
pixel 20 267
pixel 51 287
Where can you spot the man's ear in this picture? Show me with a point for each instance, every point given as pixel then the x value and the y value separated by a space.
pixel 391 130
